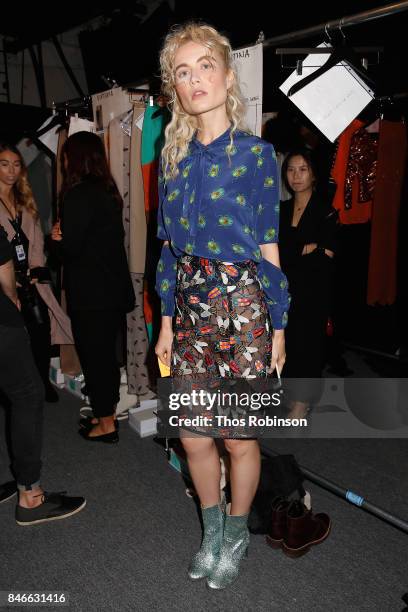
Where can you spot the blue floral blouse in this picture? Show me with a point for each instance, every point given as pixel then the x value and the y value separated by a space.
pixel 222 205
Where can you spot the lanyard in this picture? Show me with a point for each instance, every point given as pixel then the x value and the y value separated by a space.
pixel 14 221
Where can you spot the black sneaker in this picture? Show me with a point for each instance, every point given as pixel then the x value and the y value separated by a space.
pixel 55 506
pixel 7 490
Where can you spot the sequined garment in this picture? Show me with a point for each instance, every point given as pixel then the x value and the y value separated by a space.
pixel 362 166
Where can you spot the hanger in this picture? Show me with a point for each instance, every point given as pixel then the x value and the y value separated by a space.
pixel 57 120
pixel 340 53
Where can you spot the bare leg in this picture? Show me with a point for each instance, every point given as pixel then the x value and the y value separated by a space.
pixel 32 498
pixel 244 475
pixel 204 465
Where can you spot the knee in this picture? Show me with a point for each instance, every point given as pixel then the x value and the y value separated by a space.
pixel 197 446
pixel 238 448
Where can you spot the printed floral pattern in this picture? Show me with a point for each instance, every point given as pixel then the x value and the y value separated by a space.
pixel 222 326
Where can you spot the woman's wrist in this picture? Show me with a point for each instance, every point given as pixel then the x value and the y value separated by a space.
pixel 166 323
pixel 278 333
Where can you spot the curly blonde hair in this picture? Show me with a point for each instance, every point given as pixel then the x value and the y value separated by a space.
pixel 180 130
pixel 23 195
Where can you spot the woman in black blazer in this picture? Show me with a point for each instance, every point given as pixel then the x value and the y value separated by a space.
pixel 307 242
pixel 96 275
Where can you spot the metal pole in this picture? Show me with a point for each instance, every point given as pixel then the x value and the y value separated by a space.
pixel 22 77
pixel 39 77
pixel 343 22
pixel 347 494
pixel 66 65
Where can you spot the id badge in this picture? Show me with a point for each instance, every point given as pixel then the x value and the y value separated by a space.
pixel 20 252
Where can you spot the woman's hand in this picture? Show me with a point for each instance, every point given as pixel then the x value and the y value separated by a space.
pixel 56 233
pixel 165 341
pixel 278 350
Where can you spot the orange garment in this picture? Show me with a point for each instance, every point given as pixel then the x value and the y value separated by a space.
pixel 382 268
pixel 359 212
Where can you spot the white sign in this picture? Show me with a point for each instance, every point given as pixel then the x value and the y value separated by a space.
pixel 249 64
pixel 333 99
pixel 77 124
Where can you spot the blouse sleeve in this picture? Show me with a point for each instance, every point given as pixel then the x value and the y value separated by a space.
pixel 166 280
pixel 266 197
pixel 266 192
pixel 161 232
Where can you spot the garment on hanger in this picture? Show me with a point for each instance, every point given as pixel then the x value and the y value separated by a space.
pixel 137 339
pixel 124 156
pixel 77 124
pixel 354 173
pixel 138 224
pixel 68 355
pixel 154 124
pixel 392 156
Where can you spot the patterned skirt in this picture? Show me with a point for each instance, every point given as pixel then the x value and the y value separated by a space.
pixel 222 331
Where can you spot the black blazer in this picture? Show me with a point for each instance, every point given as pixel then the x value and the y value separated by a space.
pixel 96 273
pixel 318 224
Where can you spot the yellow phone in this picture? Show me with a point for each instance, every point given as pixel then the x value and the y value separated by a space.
pixel 164 369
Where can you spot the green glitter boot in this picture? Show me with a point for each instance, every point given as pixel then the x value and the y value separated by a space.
pixel 234 547
pixel 205 560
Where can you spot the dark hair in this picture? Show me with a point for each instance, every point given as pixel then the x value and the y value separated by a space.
pixel 309 159
pixel 86 158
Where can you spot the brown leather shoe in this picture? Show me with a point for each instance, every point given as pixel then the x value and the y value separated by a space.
pixel 304 529
pixel 278 528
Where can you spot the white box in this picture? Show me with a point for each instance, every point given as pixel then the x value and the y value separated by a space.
pixel 127 400
pixel 144 422
pixel 56 375
pixel 144 405
pixel 150 404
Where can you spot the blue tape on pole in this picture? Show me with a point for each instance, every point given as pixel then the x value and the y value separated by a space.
pixel 354 498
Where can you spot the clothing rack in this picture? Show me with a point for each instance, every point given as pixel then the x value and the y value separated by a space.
pixel 324 28
pixel 338 24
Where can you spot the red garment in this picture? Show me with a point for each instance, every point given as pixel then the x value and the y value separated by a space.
pixel 150 174
pixel 382 270
pixel 353 172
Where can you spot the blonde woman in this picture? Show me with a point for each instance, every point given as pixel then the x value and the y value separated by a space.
pixel 219 271
pixel 44 319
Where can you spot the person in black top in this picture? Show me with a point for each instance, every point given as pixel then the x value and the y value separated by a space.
pixel 21 382
pixel 97 281
pixel 307 238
